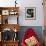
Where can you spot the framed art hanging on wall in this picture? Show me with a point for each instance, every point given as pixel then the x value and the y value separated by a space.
pixel 30 13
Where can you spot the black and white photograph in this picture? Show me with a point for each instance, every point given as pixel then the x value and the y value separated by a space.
pixel 30 13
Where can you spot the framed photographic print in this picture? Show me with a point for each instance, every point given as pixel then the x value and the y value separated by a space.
pixel 5 12
pixel 30 13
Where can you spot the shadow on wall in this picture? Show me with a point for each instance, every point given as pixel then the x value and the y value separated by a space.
pixel 37 29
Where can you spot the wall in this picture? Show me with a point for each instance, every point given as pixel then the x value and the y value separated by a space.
pixel 39 13
pixel 27 3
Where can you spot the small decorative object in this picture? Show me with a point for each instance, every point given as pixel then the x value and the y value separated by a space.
pixel 0 19
pixel 5 12
pixel 15 3
pixel 15 36
pixel 0 36
pixel 6 21
pixel 30 13
pixel 7 34
pixel 12 12
pixel 32 41
pixel 15 30
pixel 0 12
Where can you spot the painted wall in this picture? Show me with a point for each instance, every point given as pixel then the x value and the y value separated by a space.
pixel 39 13
pixel 27 3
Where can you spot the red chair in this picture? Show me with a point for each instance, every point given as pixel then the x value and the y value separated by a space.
pixel 29 33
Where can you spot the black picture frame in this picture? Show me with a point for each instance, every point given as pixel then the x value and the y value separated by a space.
pixel 30 13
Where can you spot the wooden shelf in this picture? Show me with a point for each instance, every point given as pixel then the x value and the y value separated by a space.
pixel 9 10
pixel 11 26
pixel 4 13
pixel 9 43
pixel 5 8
